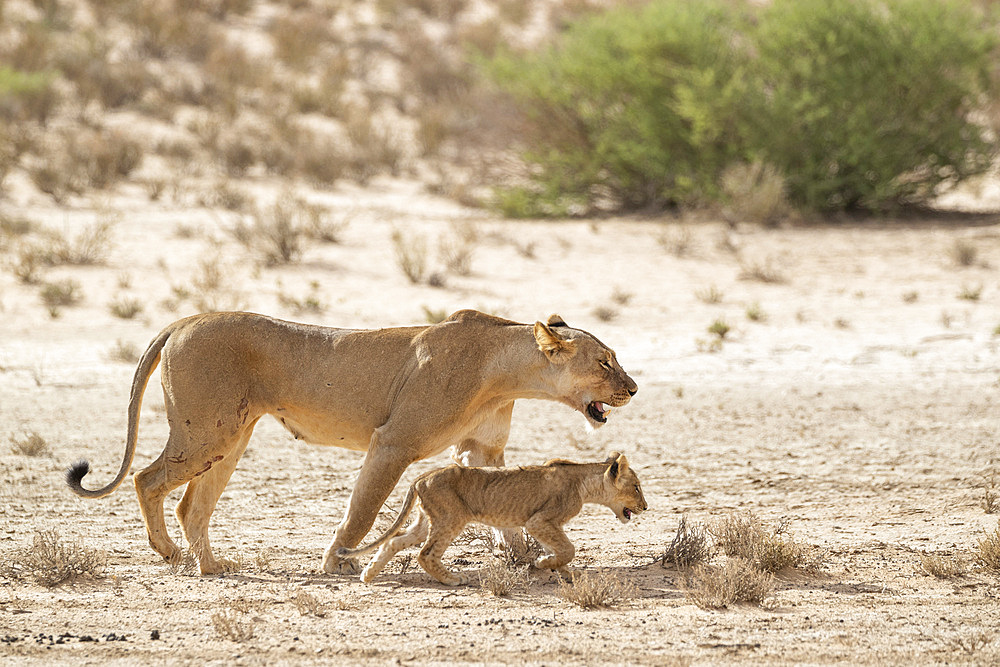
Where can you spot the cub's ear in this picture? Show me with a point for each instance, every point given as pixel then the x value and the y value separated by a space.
pixel 557 348
pixel 612 457
pixel 618 467
pixel 556 321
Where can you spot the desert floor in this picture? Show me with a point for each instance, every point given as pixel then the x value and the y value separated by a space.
pixel 862 407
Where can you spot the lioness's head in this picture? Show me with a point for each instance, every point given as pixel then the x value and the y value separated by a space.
pixel 621 480
pixel 591 380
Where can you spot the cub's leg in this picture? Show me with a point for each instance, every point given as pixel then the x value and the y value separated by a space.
pixel 441 534
pixel 383 466
pixel 551 536
pixel 196 507
pixel 415 534
pixel 485 447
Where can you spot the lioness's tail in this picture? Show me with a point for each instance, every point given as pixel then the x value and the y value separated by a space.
pixel 150 359
pixel 404 511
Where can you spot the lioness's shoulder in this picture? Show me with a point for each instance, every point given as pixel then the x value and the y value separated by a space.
pixel 469 316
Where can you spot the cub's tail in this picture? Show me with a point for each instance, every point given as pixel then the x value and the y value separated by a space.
pixel 404 511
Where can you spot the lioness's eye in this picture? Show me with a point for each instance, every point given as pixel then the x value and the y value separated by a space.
pixel 605 365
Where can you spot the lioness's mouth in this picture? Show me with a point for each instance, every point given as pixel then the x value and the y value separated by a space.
pixel 598 411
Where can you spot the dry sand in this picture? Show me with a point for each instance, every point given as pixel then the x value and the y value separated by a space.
pixel 863 410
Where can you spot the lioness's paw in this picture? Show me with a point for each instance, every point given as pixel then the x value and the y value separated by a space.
pixel 219 566
pixel 332 564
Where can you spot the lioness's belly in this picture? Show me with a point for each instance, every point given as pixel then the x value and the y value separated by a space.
pixel 324 430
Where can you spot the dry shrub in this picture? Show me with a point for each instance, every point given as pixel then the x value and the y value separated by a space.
pixel 50 561
pixel 689 547
pixel 125 307
pixel 125 352
pixel 595 590
pixel 298 36
pixel 755 192
pixel 963 253
pixel 745 536
pixel 276 233
pixel 972 642
pixel 234 625
pixel 186 565
pixel 500 579
pixel 61 293
pixel 30 444
pixel 987 551
pixel 763 272
pixel 411 254
pixel 737 582
pixel 942 567
pixel 455 252
pixel 307 604
pixel 319 222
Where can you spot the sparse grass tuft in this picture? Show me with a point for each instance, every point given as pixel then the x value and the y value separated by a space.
pixel 30 444
pixel 234 625
pixel 763 272
pixel 50 561
pixel 971 643
pixel 678 241
pixel 411 255
pixel 125 307
pixel 719 328
pixel 689 547
pixel 911 296
pixel 434 315
pixel 596 590
pixel 276 233
pixel 987 551
pixel 963 253
pixel 737 582
pixel 605 313
pixel 745 536
pixel 500 579
pixel 58 294
pixel 755 313
pixel 710 295
pixel 971 292
pixel 942 567
pixel 125 352
pixel 308 604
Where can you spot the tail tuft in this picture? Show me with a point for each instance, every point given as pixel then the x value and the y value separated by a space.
pixel 75 473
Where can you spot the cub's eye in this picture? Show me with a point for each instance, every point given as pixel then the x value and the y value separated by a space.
pixel 637 489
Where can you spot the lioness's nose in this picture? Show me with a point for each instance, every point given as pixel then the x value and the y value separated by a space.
pixel 631 387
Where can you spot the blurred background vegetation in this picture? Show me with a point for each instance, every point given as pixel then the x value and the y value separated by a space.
pixel 557 107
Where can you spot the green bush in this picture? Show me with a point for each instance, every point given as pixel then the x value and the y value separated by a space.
pixel 632 107
pixel 856 103
pixel 26 95
pixel 869 102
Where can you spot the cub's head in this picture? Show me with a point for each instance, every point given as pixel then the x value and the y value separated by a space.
pixel 622 483
pixel 588 376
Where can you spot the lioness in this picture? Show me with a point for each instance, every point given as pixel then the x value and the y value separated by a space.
pixel 539 498
pixel 400 394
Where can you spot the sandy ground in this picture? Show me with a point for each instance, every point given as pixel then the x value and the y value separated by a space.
pixel 863 409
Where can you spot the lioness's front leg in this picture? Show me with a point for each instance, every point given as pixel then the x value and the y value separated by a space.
pixel 382 468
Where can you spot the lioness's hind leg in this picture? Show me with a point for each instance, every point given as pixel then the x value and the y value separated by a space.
pixel 414 535
pixel 554 540
pixel 152 486
pixel 441 535
pixel 199 501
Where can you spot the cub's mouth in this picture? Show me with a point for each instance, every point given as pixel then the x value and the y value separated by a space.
pixel 629 513
pixel 598 411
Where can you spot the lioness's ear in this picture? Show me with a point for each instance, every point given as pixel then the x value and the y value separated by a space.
pixel 555 347
pixel 556 321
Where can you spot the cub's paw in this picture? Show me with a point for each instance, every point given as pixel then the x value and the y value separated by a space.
pixel 220 566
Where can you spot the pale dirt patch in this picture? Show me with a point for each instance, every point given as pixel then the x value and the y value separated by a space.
pixel 866 417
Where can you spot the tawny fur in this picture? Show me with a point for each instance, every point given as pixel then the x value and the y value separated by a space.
pixel 399 394
pixel 540 499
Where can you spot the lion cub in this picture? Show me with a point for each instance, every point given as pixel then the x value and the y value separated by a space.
pixel 538 498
